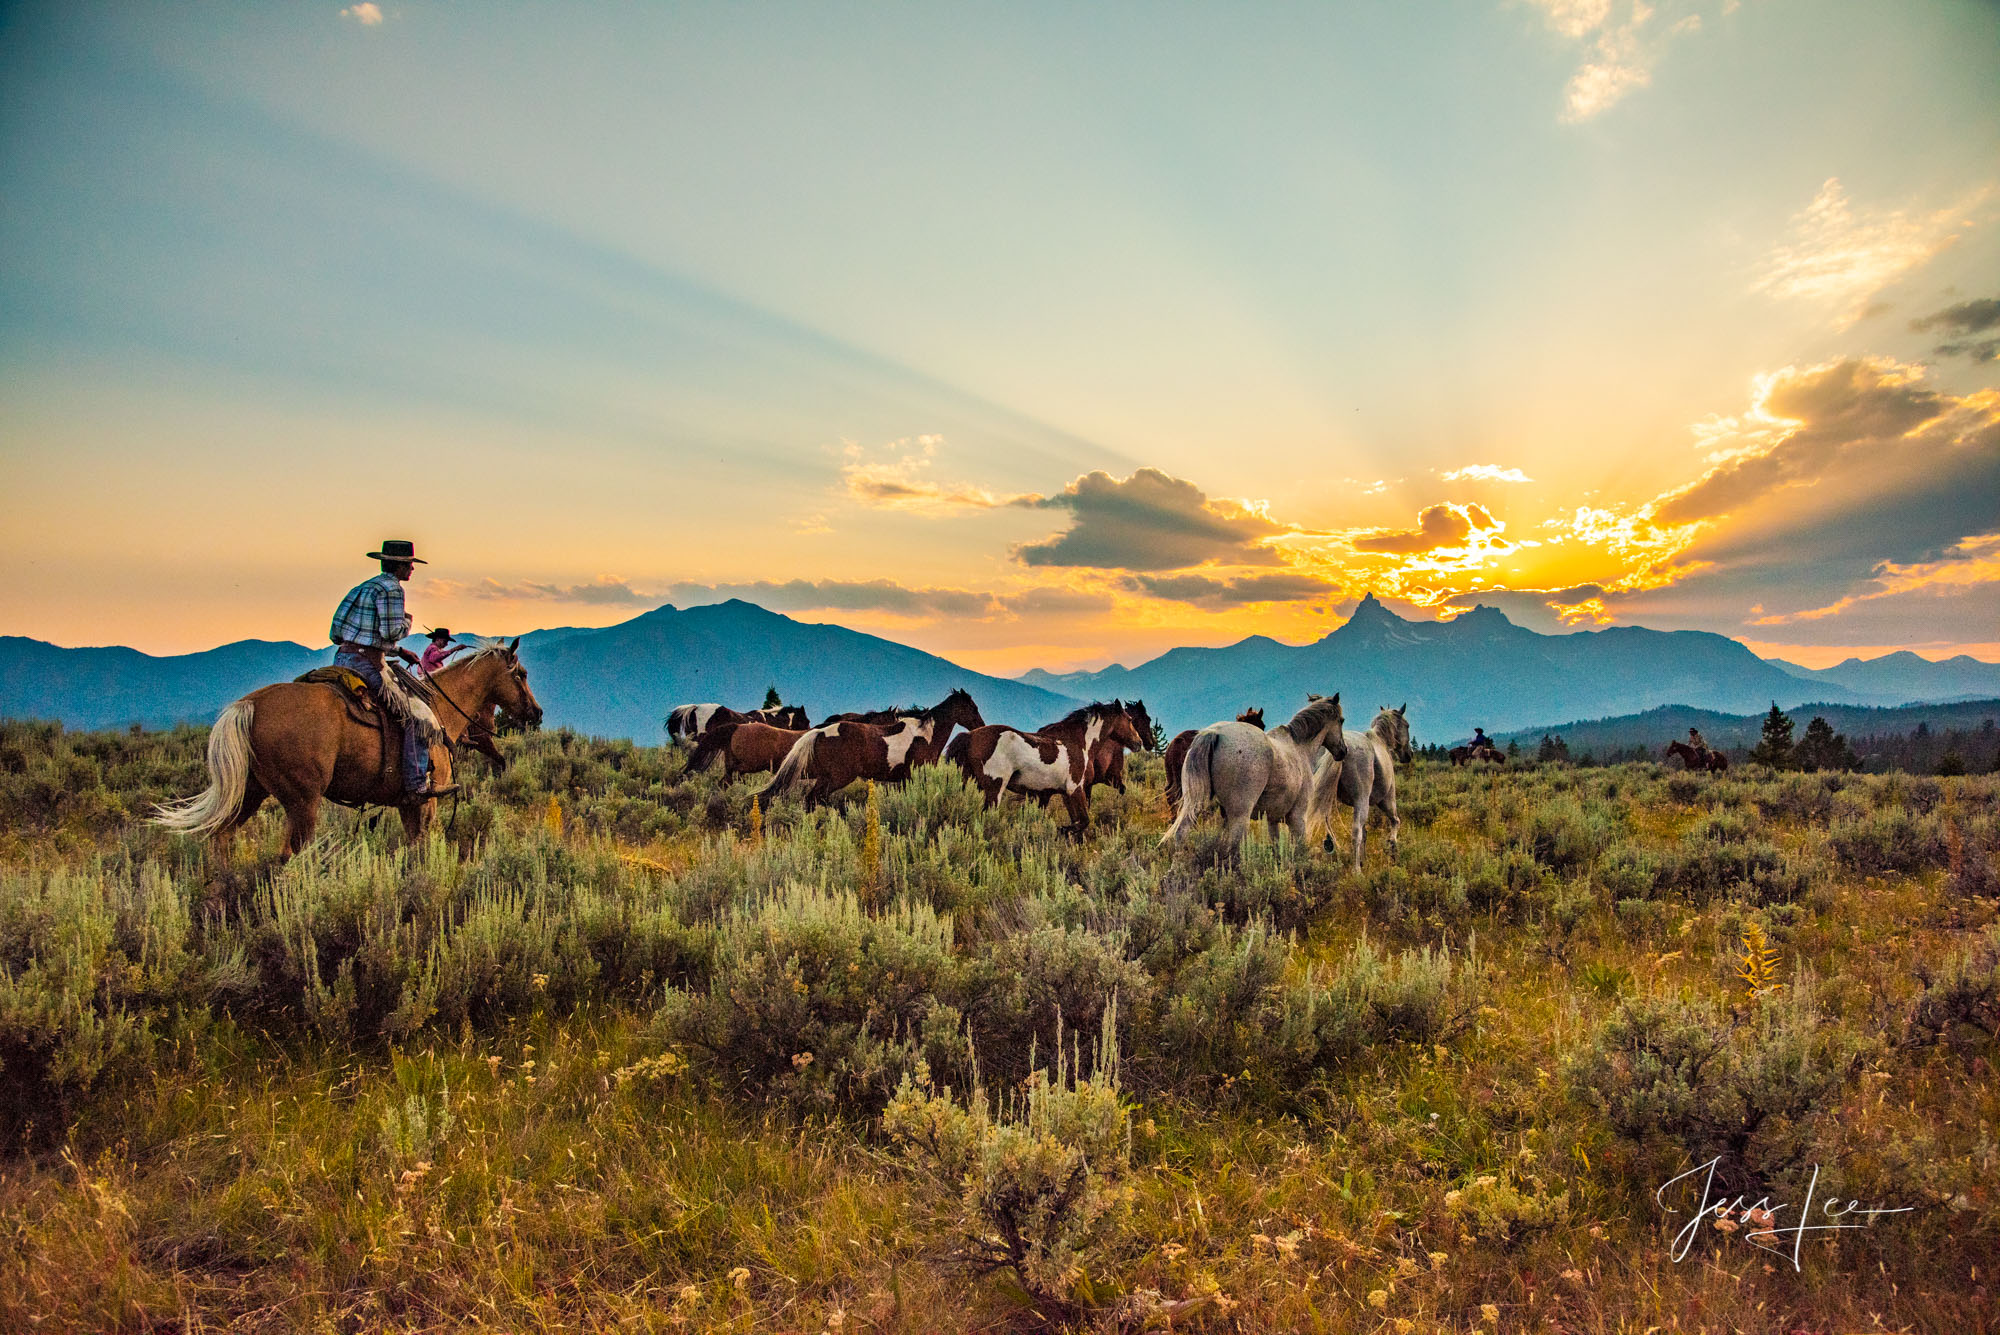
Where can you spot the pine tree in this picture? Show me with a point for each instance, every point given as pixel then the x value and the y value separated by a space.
pixel 1554 750
pixel 1514 749
pixel 1823 748
pixel 1775 747
pixel 1951 764
pixel 771 700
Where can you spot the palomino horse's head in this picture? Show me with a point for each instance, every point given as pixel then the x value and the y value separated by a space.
pixel 505 681
pixel 1392 727
pixel 1321 712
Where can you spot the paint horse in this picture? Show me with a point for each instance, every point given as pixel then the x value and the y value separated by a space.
pixel 1712 761
pixel 745 748
pixel 300 741
pixel 1366 780
pixel 688 724
pixel 1107 765
pixel 833 755
pixel 1057 761
pixel 1177 751
pixel 1252 773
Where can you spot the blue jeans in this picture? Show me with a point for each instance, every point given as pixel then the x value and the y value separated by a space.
pixel 416 756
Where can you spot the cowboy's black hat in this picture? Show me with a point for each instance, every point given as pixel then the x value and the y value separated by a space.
pixel 440 634
pixel 398 549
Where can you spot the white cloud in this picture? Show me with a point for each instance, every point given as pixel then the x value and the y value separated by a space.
pixel 1624 44
pixel 1841 256
pixel 899 479
pixel 1486 473
pixel 368 14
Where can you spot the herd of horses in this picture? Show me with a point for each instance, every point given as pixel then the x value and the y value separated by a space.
pixel 1291 775
pixel 304 741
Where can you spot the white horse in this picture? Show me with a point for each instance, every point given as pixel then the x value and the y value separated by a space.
pixel 1250 772
pixel 1366 778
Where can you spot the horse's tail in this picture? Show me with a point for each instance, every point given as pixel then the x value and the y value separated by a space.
pixel 797 760
pixel 228 777
pixel 1194 785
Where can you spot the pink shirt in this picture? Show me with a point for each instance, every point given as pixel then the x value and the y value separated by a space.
pixel 435 655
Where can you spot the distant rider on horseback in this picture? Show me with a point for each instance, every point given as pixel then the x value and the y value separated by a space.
pixel 1697 742
pixel 368 627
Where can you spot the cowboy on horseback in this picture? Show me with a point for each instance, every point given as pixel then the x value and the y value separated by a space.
pixel 367 627
pixel 1698 742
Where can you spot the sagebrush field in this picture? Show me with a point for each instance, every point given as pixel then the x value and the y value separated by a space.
pixel 617 1052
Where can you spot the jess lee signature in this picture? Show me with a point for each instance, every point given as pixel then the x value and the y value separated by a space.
pixel 1731 1213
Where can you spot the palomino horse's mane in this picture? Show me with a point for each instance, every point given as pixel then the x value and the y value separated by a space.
pixel 483 645
pixel 1313 717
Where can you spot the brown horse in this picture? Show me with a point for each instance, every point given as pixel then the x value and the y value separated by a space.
pixel 297 742
pixel 1712 761
pixel 745 748
pixel 833 755
pixel 1057 761
pixel 1177 751
pixel 1108 765
pixel 782 716
pixel 1465 755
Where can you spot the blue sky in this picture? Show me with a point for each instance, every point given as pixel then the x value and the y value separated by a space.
pixel 845 308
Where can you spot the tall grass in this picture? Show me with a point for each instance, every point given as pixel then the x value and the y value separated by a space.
pixel 647 1069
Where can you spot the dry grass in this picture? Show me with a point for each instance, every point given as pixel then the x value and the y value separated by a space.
pixel 571 1163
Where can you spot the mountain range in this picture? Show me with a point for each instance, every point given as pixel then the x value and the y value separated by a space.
pixel 1654 728
pixel 619 681
pixel 1904 676
pixel 1478 669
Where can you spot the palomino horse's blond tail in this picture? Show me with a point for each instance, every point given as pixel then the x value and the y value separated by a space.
pixel 228 776
pixel 787 777
pixel 1195 786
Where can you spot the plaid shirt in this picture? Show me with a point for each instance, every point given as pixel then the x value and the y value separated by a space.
pixel 372 614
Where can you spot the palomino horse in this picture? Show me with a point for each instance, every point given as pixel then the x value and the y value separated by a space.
pixel 1367 778
pixel 1107 765
pixel 1177 751
pixel 745 748
pixel 1058 760
pixel 1712 760
pixel 1252 773
pixel 296 742
pixel 833 755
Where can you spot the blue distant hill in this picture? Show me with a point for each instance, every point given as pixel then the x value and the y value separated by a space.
pixel 618 681
pixel 1477 670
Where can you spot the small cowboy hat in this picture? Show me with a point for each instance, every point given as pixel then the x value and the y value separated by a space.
pixel 398 549
pixel 440 635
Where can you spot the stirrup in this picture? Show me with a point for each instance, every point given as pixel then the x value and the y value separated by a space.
pixel 429 792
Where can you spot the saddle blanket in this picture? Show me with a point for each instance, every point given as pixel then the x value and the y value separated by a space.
pixel 350 682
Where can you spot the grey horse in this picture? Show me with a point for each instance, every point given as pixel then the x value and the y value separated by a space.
pixel 1250 772
pixel 1365 778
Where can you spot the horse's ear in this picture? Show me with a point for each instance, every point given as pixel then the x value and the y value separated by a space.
pixel 515 645
pixel 1403 708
